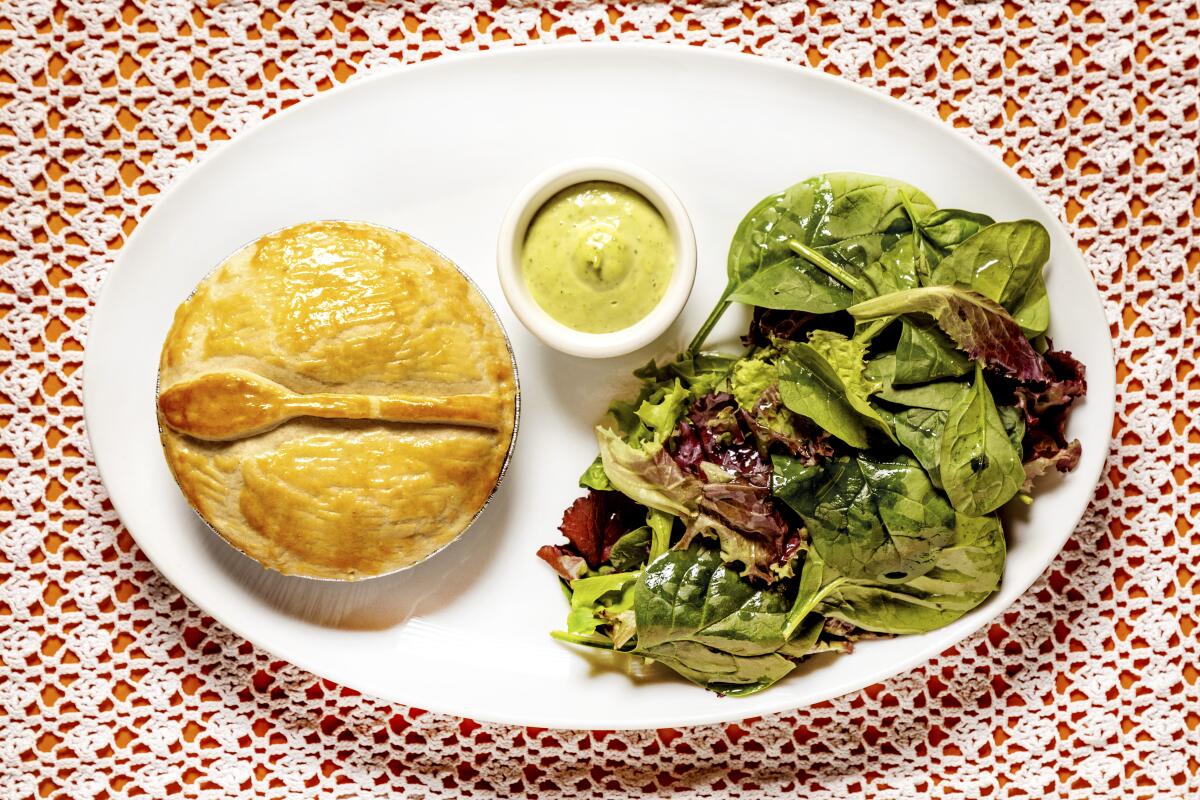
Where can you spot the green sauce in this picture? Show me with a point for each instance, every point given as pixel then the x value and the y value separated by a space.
pixel 598 257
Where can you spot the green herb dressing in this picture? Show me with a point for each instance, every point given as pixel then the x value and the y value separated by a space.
pixel 598 257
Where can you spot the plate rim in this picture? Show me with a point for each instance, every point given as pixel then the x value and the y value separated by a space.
pixel 794 70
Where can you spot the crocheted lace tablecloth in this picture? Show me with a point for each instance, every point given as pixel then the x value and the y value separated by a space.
pixel 114 685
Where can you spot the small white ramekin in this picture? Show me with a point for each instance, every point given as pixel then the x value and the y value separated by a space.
pixel 512 241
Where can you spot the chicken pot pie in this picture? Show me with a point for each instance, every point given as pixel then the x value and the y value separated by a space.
pixel 337 400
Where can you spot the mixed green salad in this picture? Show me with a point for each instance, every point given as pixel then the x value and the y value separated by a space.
pixel 842 477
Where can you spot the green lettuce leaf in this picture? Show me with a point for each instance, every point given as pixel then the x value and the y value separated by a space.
pixel 662 410
pixel 648 476
pixel 597 600
pixel 750 378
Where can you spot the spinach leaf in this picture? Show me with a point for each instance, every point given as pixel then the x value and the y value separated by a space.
pixel 947 228
pixel 824 380
pixel 807 639
pixel 878 521
pixel 809 387
pixel 976 324
pixel 693 595
pixel 856 204
pixel 815 583
pixel 979 466
pixel 1004 262
pixel 924 353
pixel 880 371
pixel 972 565
pixel 859 251
pixel 936 395
pixel 896 269
pixel 1014 425
pixel 890 609
pixel 792 479
pixel 818 213
pixel 919 522
pixel 719 671
pixel 1000 262
pixel 793 285
pixel 696 616
pixel 965 574
pixel 1033 314
pixel 920 430
pixel 648 476
pixel 966 570
pixel 939 395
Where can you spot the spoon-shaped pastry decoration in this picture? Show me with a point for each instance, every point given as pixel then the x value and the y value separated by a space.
pixel 222 406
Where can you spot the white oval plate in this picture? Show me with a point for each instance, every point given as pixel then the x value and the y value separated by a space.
pixel 439 151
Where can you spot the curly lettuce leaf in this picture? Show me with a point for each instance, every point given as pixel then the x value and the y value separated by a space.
pixel 648 475
pixel 750 378
pixel 715 432
pixel 598 600
pixel 980 327
pixel 1046 410
pixel 594 478
pixel 751 532
pixel 568 564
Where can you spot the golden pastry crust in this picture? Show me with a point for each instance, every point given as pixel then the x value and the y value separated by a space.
pixel 350 398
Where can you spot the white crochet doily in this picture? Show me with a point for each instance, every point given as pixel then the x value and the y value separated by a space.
pixel 113 685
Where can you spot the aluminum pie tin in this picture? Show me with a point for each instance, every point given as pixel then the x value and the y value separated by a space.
pixel 512 441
